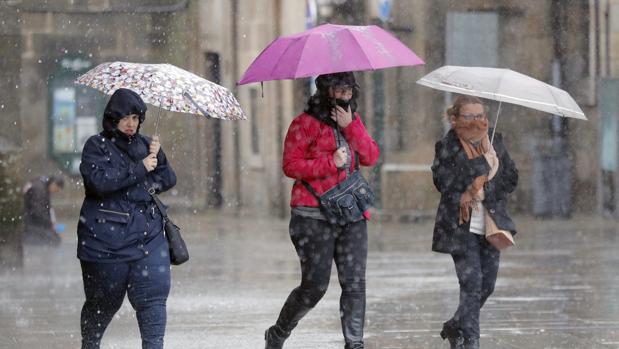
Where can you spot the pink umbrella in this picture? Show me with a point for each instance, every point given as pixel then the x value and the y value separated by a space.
pixel 328 49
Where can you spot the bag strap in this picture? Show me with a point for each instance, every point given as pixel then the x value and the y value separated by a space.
pixel 158 203
pixel 311 190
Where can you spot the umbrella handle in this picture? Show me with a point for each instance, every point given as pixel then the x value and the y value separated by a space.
pixel 496 121
pixel 188 96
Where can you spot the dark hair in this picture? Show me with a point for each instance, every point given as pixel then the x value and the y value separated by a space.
pixel 320 104
pixel 57 179
pixel 461 101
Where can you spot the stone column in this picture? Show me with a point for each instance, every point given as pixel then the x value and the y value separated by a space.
pixel 11 255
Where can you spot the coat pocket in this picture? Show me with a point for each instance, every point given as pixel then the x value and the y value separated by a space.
pixel 111 228
pixel 104 215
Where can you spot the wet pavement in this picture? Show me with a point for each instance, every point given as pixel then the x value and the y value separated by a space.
pixel 558 288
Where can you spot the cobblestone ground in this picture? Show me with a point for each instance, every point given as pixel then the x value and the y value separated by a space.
pixel 558 288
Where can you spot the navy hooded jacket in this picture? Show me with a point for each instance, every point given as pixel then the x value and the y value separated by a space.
pixel 118 220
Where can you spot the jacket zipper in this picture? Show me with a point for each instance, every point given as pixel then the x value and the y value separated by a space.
pixel 115 212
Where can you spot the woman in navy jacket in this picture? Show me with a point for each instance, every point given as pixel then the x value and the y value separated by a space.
pixel 121 245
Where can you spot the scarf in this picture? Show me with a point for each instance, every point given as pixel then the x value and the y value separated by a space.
pixel 473 136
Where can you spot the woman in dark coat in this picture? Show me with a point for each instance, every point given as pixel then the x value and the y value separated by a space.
pixel 322 145
pixel 474 178
pixel 121 245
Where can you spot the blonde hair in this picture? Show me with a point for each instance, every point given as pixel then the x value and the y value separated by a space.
pixel 461 101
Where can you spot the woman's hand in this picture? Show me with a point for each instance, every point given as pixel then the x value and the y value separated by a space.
pixel 340 157
pixel 342 116
pixel 150 162
pixel 154 145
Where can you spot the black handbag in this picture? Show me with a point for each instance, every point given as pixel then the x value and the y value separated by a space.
pixel 178 249
pixel 347 200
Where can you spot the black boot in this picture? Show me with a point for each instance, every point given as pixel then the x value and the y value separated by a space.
pixel 352 312
pixel 292 311
pixel 453 335
pixel 274 337
pixel 471 343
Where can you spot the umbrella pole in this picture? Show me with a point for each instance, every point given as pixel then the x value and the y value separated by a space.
pixel 338 141
pixel 496 121
pixel 158 120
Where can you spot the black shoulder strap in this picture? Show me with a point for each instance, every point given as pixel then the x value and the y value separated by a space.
pixel 159 204
pixel 310 189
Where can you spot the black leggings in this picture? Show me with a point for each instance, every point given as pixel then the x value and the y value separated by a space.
pixel 477 268
pixel 318 243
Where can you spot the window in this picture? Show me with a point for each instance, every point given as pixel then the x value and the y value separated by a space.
pixel 74 113
pixel 472 39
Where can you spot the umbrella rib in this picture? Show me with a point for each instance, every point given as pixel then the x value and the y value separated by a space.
pixel 296 68
pixel 553 97
pixel 275 66
pixel 498 88
pixel 361 48
pixel 258 58
pixel 556 103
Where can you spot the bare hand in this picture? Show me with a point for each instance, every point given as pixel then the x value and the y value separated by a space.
pixel 150 162
pixel 340 157
pixel 342 116
pixel 154 145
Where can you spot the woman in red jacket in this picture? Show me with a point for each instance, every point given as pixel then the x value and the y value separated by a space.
pixel 323 145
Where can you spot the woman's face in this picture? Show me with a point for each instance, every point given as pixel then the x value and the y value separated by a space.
pixel 341 92
pixel 469 113
pixel 129 124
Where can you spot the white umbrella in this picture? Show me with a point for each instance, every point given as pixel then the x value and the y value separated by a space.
pixel 503 85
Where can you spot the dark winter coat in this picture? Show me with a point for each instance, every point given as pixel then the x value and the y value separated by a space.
pixel 452 173
pixel 118 220
pixel 38 225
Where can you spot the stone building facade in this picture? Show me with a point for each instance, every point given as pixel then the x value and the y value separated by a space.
pixel 236 166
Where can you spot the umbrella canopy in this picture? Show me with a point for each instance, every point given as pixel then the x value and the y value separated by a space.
pixel 504 85
pixel 167 87
pixel 329 49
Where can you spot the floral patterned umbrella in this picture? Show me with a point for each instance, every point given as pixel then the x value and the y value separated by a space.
pixel 167 87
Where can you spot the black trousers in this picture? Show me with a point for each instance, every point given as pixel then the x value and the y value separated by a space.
pixel 319 243
pixel 477 269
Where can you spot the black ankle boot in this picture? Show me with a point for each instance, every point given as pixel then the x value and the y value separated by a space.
pixel 275 337
pixel 454 336
pixel 471 343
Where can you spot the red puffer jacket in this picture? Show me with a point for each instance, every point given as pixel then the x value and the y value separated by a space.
pixel 308 155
